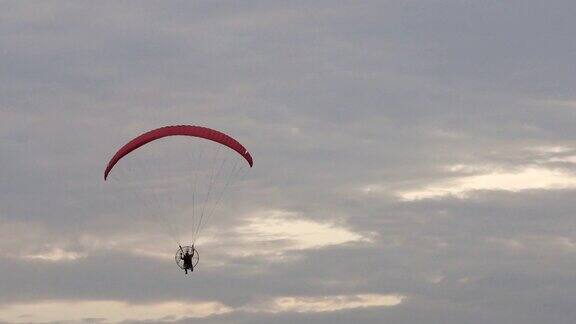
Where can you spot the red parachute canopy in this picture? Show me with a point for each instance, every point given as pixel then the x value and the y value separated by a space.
pixel 180 130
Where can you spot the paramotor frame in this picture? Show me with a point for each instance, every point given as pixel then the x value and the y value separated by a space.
pixel 179 257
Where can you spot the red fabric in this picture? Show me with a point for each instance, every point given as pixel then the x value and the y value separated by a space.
pixel 182 130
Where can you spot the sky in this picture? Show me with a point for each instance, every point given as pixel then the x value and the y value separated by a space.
pixel 414 160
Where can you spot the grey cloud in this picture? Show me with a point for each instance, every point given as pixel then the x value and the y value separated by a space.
pixel 329 98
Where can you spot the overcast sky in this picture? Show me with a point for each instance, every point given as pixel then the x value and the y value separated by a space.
pixel 415 160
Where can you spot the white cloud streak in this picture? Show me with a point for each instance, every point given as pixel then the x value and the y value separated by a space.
pixel 116 311
pixel 298 232
pixel 107 311
pixel 514 181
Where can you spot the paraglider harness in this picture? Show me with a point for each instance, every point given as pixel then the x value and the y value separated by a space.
pixel 187 258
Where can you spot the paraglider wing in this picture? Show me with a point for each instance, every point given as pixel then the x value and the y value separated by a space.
pixel 179 130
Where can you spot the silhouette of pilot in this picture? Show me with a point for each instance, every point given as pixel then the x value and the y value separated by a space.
pixel 187 258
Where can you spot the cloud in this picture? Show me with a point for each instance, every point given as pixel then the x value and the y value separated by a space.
pixel 107 311
pixel 516 180
pixel 324 303
pixel 353 111
pixel 55 255
pixel 295 231
pixel 115 311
